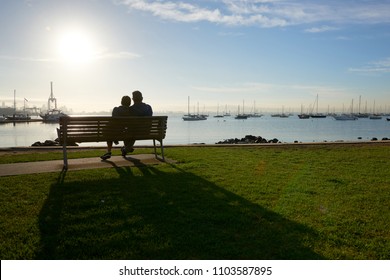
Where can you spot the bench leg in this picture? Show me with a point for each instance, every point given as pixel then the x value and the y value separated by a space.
pixel 162 150
pixel 155 149
pixel 154 146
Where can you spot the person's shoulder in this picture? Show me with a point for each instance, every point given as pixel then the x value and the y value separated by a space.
pixel 114 111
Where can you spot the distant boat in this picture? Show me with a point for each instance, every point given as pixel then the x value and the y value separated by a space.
pixel 193 117
pixel 53 116
pixel 218 115
pixel 241 116
pixel 345 117
pixel 2 119
pixel 19 117
pixel 375 116
pixel 255 115
pixel 283 115
pixel 362 115
pixel 388 119
pixel 359 114
pixel 303 115
pixel 317 115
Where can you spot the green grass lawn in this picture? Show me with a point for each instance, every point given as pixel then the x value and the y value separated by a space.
pixel 282 202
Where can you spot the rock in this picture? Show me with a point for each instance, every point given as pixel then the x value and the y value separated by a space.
pixel 48 143
pixel 36 144
pixel 248 139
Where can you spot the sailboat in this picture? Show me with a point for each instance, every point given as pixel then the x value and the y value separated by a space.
pixel 375 116
pixel 193 117
pixel 317 115
pixel 241 116
pixel 19 116
pixel 218 115
pixel 226 114
pixel 255 114
pixel 346 117
pixel 303 115
pixel 360 114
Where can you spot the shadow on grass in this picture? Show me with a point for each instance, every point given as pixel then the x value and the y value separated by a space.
pixel 162 215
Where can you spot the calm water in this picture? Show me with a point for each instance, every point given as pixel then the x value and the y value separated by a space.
pixel 216 129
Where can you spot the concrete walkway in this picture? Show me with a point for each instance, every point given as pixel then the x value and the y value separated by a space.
pixel 77 164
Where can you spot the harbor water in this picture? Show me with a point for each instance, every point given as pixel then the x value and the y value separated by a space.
pixel 214 130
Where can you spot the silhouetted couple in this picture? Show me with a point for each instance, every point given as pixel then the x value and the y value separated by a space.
pixel 124 110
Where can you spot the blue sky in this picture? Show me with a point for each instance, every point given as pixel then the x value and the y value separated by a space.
pixel 272 53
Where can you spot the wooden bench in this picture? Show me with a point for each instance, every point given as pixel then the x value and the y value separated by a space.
pixel 101 129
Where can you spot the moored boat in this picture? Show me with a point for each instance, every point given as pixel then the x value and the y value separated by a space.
pixel 52 115
pixel 317 115
pixel 241 117
pixel 303 116
pixel 193 117
pixel 18 117
pixel 345 117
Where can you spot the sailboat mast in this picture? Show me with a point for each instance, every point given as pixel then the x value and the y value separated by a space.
pixel 14 101
pixel 188 105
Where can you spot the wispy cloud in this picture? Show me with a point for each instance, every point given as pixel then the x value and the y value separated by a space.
pixel 117 55
pixel 376 67
pixel 265 13
pixel 31 59
pixel 267 88
pixel 321 29
pixel 96 56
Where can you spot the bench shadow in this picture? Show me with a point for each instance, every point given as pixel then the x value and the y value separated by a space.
pixel 162 215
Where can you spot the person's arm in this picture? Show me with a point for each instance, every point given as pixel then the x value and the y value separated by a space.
pixel 114 112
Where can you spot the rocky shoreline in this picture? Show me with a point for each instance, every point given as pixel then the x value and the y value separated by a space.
pixel 51 143
pixel 250 139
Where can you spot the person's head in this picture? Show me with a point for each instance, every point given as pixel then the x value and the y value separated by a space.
pixel 126 101
pixel 137 96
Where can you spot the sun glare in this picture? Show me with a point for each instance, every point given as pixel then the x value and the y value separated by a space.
pixel 75 47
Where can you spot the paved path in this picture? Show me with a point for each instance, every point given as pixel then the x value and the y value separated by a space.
pixel 77 164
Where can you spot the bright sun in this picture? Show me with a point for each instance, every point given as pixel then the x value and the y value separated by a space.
pixel 75 47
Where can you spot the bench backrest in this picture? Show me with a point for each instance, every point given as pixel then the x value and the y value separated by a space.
pixel 99 129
